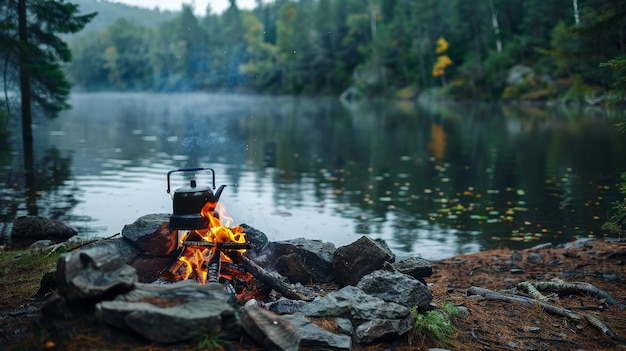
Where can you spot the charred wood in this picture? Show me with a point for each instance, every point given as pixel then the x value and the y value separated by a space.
pixel 219 245
pixel 261 274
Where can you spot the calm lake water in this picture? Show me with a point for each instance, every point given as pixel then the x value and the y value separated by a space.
pixel 432 179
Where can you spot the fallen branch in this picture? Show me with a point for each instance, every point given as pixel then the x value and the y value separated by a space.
pixel 577 287
pixel 596 322
pixel 531 290
pixel 548 340
pixel 496 296
pixel 617 254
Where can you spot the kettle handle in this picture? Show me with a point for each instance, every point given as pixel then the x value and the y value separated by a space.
pixel 189 170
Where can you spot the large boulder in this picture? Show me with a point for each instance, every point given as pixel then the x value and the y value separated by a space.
pixel 396 287
pixel 352 262
pixel 170 313
pixel 37 228
pixel 353 303
pixel 416 267
pixel 302 260
pixel 93 274
pixel 152 235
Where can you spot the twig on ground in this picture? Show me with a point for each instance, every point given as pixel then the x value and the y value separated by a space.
pixel 548 340
pixel 596 322
pixel 531 290
pixel 577 287
pixel 493 295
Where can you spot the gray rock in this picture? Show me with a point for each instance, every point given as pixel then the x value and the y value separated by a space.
pixel 269 330
pixel 352 262
pixel 353 303
pixel 152 235
pixel 418 268
pixel 545 246
pixel 40 245
pixel 582 243
pixel 258 240
pixel 285 306
pixel 94 273
pixel 383 329
pixel 344 326
pixel 169 313
pixel 126 250
pixel 396 287
pixel 35 228
pixel 315 338
pixel 518 73
pixel 301 260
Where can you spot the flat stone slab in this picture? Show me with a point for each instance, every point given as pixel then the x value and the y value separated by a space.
pixel 170 313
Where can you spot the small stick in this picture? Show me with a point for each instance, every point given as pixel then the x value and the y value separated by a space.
pixel 173 265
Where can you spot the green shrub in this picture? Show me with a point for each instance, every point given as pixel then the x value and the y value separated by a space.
pixel 435 325
pixel 617 222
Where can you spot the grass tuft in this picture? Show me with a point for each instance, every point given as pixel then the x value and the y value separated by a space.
pixel 211 339
pixel 435 325
pixel 20 277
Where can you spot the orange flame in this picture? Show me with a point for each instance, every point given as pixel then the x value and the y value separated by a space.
pixel 217 232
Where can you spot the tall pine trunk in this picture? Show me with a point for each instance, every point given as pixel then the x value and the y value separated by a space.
pixel 25 96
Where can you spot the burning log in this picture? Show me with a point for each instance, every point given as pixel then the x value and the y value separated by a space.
pixel 214 266
pixel 261 274
pixel 218 245
pixel 233 274
pixel 173 265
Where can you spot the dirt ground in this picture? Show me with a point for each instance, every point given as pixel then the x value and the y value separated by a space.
pixel 488 324
pixel 498 325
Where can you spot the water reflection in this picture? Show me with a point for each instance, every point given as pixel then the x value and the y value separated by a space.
pixel 36 189
pixel 432 179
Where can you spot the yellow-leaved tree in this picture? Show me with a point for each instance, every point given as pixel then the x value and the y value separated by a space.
pixel 443 61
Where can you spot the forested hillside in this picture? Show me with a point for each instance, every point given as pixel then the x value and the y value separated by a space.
pixel 492 49
pixel 109 12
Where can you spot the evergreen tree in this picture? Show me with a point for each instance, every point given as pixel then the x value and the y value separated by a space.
pixel 35 56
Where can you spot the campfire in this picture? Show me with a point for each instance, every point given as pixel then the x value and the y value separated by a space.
pixel 156 280
pixel 210 250
pixel 210 255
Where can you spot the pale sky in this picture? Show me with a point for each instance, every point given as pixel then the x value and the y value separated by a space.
pixel 218 6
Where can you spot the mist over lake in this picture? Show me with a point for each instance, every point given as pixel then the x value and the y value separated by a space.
pixel 433 179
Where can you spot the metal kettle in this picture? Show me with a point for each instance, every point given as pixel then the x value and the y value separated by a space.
pixel 188 201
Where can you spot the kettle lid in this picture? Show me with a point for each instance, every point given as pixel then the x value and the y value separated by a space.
pixel 193 188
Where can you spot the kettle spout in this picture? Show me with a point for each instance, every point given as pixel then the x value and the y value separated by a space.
pixel 218 192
